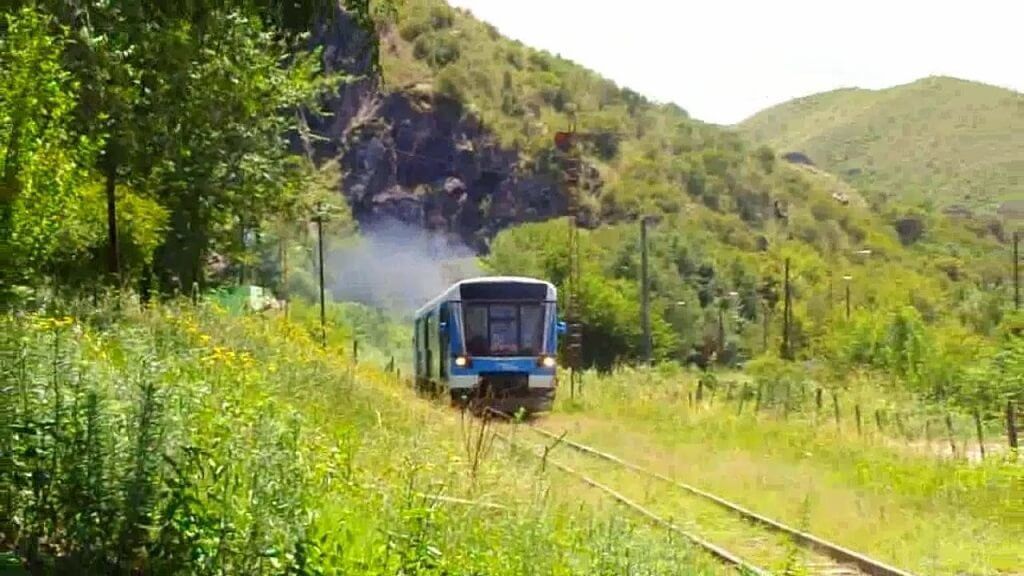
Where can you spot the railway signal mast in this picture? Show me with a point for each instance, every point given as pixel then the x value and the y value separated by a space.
pixel 569 156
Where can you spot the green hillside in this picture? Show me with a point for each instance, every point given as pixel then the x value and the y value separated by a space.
pixel 943 140
pixel 730 212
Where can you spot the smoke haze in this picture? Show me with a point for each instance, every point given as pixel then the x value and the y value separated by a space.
pixel 398 267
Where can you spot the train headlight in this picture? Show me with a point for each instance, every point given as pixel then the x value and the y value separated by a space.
pixel 461 361
pixel 547 361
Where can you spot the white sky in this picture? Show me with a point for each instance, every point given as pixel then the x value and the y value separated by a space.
pixel 723 60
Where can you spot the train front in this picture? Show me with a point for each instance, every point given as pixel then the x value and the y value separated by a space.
pixel 504 343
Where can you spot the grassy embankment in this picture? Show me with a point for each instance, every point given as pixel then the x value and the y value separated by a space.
pixel 187 441
pixel 866 491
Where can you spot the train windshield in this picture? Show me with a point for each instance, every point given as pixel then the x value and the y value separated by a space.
pixel 504 329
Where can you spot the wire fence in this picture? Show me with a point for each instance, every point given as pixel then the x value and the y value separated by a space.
pixel 949 432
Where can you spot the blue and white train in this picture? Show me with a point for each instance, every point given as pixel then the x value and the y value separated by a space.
pixel 490 341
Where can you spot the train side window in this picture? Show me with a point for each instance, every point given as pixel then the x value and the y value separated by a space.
pixel 442 357
pixel 431 335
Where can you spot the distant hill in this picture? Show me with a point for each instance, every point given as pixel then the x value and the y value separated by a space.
pixel 957 143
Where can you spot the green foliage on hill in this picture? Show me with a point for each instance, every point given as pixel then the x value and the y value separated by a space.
pixel 941 140
pixel 730 213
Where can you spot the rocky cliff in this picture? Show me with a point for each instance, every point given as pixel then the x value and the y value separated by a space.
pixel 419 157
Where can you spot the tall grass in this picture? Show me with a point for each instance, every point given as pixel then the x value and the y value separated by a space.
pixel 186 441
pixel 871 491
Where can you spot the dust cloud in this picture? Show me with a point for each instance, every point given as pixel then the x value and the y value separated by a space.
pixel 398 267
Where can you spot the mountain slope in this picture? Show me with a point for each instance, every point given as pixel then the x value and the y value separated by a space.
pixel 456 136
pixel 945 140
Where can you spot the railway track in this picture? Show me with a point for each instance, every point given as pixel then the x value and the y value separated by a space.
pixel 746 540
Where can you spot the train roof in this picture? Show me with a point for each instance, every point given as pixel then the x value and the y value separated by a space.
pixel 452 292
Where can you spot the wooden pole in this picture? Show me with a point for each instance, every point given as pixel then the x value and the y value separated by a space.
pixel 981 433
pixel 786 349
pixel 1011 424
pixel 645 310
pixel 113 249
pixel 950 431
pixel 764 331
pixel 320 250
pixel 835 408
pixel 1016 271
pixel 847 300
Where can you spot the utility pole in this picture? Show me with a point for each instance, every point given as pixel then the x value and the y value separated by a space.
pixel 320 249
pixel 1016 271
pixel 113 250
pixel 764 332
pixel 241 238
pixel 645 285
pixel 566 144
pixel 283 248
pixel 847 297
pixel 786 313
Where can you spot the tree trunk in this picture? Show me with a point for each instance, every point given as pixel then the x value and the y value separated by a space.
pixel 113 255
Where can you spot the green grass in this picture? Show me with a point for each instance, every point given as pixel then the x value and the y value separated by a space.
pixel 926 514
pixel 187 441
pixel 943 139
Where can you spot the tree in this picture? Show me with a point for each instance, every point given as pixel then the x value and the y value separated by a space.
pixel 41 160
pixel 192 103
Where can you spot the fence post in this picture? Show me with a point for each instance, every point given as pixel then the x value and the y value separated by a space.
pixel 743 399
pixel 355 351
pixel 949 429
pixel 785 405
pixel 856 412
pixel 1011 424
pixel 900 427
pixel 835 407
pixel 981 434
pixel 878 421
pixel 760 391
pixel 700 391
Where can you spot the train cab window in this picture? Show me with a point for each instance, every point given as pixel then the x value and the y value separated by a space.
pixel 475 320
pixel 504 329
pixel 532 329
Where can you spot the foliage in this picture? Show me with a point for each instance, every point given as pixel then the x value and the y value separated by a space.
pixel 188 107
pixel 729 214
pixel 182 441
pixel 887 488
pixel 946 140
pixel 41 158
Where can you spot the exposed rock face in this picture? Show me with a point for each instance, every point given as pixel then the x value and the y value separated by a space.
pixel 420 158
pixel 797 158
pixel 910 229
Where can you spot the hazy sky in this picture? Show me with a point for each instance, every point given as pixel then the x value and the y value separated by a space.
pixel 723 60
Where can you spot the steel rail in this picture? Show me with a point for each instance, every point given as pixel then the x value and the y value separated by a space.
pixel 717 551
pixel 830 549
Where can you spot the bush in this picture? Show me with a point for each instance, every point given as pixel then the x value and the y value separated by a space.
pixel 437 49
